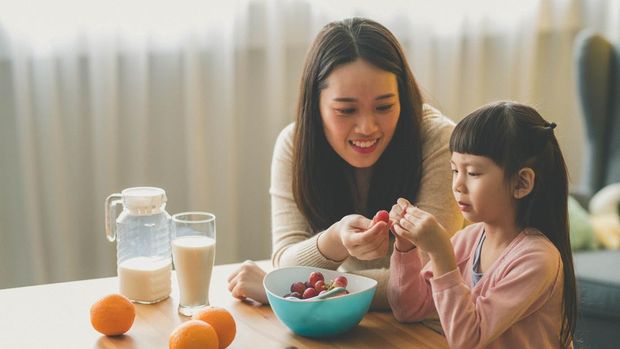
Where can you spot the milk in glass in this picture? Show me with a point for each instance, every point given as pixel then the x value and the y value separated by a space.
pixel 193 261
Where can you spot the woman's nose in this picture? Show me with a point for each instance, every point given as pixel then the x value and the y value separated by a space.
pixel 367 123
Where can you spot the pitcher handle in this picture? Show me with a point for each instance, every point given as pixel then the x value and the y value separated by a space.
pixel 110 215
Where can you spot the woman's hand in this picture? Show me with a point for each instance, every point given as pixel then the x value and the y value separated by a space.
pixel 362 239
pixel 247 282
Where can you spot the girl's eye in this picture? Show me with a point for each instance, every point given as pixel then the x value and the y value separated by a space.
pixel 385 107
pixel 473 174
pixel 455 171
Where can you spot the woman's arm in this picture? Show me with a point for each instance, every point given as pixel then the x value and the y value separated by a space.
pixel 292 240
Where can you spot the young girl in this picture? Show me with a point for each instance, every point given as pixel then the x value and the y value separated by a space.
pixel 507 280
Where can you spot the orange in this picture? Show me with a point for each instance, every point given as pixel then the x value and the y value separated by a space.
pixel 112 315
pixel 193 334
pixel 222 321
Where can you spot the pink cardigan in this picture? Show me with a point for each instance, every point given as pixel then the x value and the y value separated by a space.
pixel 516 304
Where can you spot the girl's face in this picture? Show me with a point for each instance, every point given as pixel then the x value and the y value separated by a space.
pixel 359 109
pixel 481 190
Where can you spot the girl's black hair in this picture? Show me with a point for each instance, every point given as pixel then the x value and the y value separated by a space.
pixel 515 136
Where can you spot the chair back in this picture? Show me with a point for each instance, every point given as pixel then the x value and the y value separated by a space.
pixel 598 87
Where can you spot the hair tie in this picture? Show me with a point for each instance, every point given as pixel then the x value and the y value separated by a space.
pixel 551 125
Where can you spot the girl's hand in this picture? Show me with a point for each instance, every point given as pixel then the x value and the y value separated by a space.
pixel 422 229
pixel 362 239
pixel 396 214
pixel 247 282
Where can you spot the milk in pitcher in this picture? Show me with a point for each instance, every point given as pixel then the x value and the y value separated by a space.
pixel 142 234
pixel 145 279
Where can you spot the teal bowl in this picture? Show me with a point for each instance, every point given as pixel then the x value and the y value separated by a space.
pixel 320 317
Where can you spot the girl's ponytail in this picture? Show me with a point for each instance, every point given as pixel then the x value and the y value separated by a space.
pixel 546 209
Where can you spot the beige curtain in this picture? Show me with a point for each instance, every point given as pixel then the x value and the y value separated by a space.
pixel 189 96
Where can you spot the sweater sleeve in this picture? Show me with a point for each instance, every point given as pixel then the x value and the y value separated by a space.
pixel 435 194
pixel 522 288
pixel 292 240
pixel 409 290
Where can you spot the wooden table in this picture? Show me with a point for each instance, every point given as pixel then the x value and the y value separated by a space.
pixel 57 316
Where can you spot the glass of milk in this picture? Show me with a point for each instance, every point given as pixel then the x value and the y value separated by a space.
pixel 193 254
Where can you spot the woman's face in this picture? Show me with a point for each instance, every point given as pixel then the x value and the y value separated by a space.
pixel 359 109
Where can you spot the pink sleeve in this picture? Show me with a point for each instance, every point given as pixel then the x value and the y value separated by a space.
pixel 409 291
pixel 474 323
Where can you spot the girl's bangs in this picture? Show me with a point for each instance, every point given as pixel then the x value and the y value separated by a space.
pixel 484 132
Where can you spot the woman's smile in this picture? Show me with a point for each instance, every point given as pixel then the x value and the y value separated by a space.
pixel 364 146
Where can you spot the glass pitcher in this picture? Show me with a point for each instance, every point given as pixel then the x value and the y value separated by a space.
pixel 142 234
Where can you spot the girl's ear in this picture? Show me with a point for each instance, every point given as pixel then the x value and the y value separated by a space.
pixel 524 183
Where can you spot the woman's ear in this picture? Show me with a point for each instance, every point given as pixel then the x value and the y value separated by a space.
pixel 524 183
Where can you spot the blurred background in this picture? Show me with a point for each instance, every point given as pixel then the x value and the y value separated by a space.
pixel 189 96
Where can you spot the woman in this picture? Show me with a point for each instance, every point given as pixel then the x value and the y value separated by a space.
pixel 362 139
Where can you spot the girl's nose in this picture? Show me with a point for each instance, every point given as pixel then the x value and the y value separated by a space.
pixel 458 184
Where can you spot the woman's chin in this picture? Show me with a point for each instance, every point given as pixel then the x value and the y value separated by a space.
pixel 362 163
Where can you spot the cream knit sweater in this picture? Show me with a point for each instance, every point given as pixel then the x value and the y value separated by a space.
pixel 292 240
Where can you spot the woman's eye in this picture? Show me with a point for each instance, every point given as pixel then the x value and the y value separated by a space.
pixel 455 171
pixel 385 107
pixel 473 174
pixel 346 110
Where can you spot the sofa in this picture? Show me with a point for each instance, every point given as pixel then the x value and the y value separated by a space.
pixel 597 63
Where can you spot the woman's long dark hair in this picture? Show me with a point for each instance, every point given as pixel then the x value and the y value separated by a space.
pixel 515 136
pixel 319 174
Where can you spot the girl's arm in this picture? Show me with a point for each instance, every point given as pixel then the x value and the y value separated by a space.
pixel 408 291
pixel 379 301
pixel 527 284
